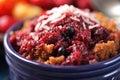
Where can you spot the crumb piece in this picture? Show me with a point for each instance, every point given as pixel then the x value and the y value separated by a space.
pixel 39 59
pixel 42 53
pixel 48 48
pixel 105 50
pixel 55 60
pixel 26 25
pixel 12 32
pixel 106 22
pixel 28 57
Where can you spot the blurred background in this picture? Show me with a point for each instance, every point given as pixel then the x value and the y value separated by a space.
pixel 13 11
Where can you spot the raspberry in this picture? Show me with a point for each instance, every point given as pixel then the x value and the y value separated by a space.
pixel 12 39
pixel 61 2
pixel 46 4
pixel 83 4
pixel 6 22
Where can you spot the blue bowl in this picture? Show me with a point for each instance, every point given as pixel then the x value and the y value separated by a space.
pixel 23 69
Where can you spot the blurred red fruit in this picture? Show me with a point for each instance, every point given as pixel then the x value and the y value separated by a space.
pixel 61 2
pixel 6 6
pixel 46 4
pixel 83 4
pixel 5 22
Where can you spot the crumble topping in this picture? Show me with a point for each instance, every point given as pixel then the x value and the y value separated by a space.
pixel 66 35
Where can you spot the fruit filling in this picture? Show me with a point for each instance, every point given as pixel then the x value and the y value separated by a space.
pixel 66 35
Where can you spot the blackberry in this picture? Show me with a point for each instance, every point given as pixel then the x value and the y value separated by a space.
pixel 62 51
pixel 70 31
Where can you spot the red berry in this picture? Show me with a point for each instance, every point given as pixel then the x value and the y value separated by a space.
pixel 46 4
pixel 61 2
pixel 12 39
pixel 6 7
pixel 6 22
pixel 83 4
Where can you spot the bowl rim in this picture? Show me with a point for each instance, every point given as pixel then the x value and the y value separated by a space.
pixel 98 65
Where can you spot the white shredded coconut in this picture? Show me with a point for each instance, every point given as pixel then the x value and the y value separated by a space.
pixel 42 17
pixel 58 19
pixel 75 18
pixel 58 13
pixel 93 26
pixel 87 20
pixel 84 26
pixel 37 26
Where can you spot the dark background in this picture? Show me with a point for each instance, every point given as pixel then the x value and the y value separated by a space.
pixel 4 73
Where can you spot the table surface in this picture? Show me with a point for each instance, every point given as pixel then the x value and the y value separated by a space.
pixel 4 73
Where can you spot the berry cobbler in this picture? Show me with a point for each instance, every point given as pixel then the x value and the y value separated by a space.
pixel 66 35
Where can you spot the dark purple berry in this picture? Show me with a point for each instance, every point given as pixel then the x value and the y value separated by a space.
pixel 62 51
pixel 70 31
pixel 100 33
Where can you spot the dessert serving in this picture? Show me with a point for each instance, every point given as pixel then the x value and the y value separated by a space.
pixel 66 35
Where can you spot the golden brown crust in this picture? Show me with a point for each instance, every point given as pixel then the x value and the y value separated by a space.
pixel 106 50
pixel 55 60
pixel 42 53
pixel 106 22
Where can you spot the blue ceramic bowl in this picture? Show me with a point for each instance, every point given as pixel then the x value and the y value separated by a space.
pixel 23 69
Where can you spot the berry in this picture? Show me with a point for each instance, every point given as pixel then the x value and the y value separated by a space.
pixel 6 7
pixel 61 2
pixel 70 31
pixel 6 22
pixel 101 34
pixel 62 51
pixel 46 4
pixel 83 4
pixel 12 39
